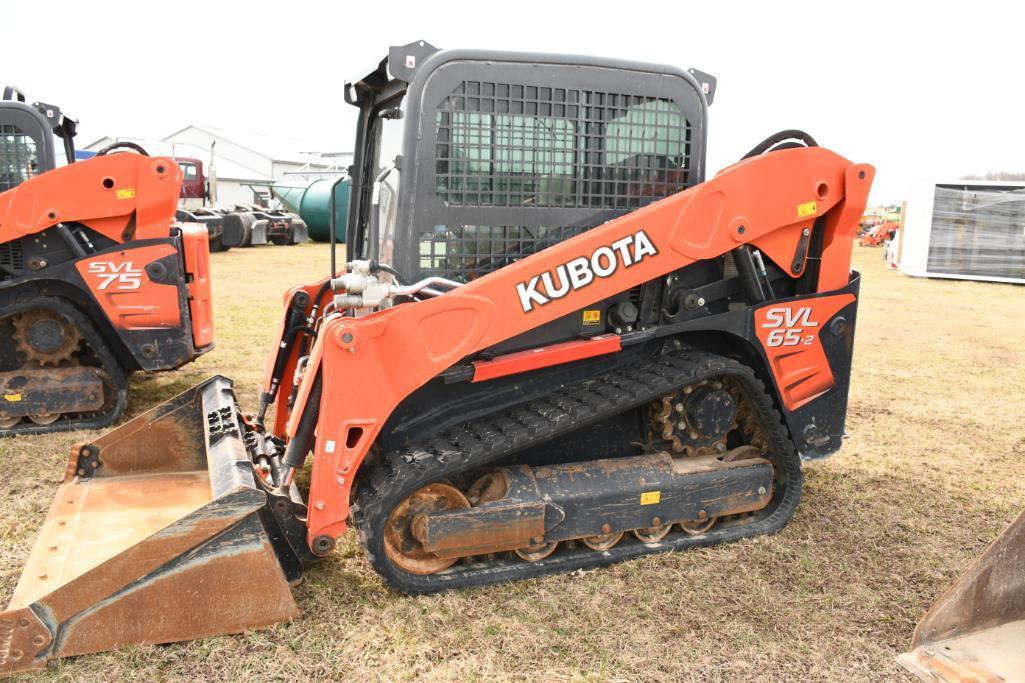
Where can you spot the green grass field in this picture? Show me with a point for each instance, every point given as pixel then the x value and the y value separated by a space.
pixel 929 476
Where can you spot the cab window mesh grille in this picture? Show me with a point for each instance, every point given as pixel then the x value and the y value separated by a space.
pixel 18 157
pixel 465 252
pixel 514 145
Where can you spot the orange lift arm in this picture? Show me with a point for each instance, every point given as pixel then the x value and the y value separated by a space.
pixel 103 192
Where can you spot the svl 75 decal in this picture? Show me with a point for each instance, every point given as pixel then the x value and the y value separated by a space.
pixel 124 276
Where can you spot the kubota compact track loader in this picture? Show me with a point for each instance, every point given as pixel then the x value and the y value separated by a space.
pixel 556 345
pixel 94 281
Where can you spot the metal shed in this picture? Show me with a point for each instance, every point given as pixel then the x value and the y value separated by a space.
pixel 965 229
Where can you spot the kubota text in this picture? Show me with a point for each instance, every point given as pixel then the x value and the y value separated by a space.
pixel 580 272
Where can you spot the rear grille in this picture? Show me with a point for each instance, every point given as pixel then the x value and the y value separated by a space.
pixel 11 257
pixel 18 157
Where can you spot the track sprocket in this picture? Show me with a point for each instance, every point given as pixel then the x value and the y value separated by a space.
pixel 45 337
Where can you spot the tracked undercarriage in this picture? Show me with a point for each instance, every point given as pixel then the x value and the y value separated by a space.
pixel 461 510
pixel 56 371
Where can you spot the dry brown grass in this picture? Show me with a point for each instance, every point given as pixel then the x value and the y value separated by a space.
pixel 930 475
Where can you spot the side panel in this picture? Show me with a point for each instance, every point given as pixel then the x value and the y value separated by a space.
pixel 790 336
pixel 131 287
pixel 196 254
pixel 811 379
pixel 143 294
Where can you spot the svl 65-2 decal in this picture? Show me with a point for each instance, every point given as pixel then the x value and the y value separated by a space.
pixel 789 333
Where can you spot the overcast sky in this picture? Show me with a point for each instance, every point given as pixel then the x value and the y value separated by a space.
pixel 926 90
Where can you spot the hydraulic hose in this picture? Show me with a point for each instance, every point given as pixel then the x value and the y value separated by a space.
pixel 391 271
pixel 772 143
pixel 123 144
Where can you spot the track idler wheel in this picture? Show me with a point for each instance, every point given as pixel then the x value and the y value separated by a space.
pixel 403 532
pixel 698 527
pixel 603 542
pixel 536 552
pixel 653 534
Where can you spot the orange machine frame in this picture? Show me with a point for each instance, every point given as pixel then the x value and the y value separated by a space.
pixel 371 363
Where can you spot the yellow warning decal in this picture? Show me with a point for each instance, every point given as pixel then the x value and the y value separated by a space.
pixel 651 497
pixel 592 317
pixel 806 209
pixel 12 398
pixel 126 193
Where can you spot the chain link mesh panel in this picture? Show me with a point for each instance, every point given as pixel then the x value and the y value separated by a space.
pixel 524 146
pixel 466 252
pixel 18 157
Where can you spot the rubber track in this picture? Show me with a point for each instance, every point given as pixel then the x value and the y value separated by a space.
pixel 570 407
pixel 118 386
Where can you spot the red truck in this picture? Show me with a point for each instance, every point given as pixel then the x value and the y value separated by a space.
pixel 241 226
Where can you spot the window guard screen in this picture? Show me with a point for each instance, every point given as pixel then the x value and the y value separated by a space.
pixel 506 145
pixel 18 157
pixel 509 145
pixel 465 252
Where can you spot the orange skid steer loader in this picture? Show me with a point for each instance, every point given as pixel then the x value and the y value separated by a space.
pixel 556 345
pixel 95 281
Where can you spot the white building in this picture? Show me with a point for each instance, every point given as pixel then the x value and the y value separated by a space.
pixel 245 164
